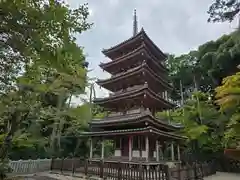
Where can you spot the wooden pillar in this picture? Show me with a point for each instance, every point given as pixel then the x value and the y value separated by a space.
pixel 102 157
pixel 130 148
pixel 147 148
pixel 140 146
pixel 161 151
pixel 178 152
pixel 91 148
pixel 163 148
pixel 157 150
pixel 172 151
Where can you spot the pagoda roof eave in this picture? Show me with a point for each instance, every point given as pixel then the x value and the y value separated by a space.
pixel 142 68
pixel 134 93
pixel 157 48
pixel 126 57
pixel 145 116
pixel 143 34
pixel 148 129
pixel 131 39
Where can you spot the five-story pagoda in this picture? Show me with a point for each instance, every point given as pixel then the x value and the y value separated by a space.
pixel 140 88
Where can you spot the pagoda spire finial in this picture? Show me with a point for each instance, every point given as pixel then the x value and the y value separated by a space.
pixel 135 24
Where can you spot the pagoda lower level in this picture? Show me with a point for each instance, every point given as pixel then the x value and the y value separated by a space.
pixel 136 136
pixel 140 88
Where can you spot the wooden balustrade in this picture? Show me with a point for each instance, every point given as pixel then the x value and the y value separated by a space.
pixel 121 171
pixel 132 171
pixel 114 170
pixel 29 166
pixel 131 111
pixel 195 171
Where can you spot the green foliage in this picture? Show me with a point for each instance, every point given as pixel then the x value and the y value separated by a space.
pixel 42 68
pixel 208 128
pixel 4 168
pixel 202 122
pixel 208 65
pixel 228 98
pixel 223 10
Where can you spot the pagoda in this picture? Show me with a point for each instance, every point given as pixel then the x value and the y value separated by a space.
pixel 140 88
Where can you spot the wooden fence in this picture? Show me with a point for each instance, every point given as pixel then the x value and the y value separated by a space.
pixel 120 171
pixel 194 171
pixel 228 165
pixel 112 170
pixel 130 171
pixel 30 166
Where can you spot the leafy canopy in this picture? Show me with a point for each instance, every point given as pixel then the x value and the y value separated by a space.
pixel 223 10
pixel 202 122
pixel 208 65
pixel 41 67
pixel 228 98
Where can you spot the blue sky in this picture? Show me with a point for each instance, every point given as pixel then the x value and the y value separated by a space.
pixel 175 27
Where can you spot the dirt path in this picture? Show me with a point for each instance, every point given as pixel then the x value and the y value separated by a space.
pixel 223 176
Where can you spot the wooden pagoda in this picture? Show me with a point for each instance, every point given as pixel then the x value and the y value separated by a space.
pixel 140 89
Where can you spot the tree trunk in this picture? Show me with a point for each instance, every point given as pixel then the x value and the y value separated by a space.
pixel 6 146
pixel 7 142
pixel 8 139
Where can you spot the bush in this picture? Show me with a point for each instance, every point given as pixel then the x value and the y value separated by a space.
pixel 4 168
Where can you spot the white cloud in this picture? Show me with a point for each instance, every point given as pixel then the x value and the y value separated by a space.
pixel 113 3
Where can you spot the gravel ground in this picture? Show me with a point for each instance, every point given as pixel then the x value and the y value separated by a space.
pixel 223 176
pixel 45 176
pixel 39 178
pixel 49 176
pixel 33 178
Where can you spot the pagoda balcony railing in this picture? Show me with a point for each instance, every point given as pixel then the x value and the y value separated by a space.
pixel 124 72
pixel 113 114
pixel 140 64
pixel 129 54
pixel 131 111
pixel 162 95
pixel 125 56
pixel 132 54
pixel 129 51
pixel 126 90
pixel 163 77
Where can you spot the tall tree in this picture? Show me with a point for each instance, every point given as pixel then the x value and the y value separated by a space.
pixel 208 65
pixel 223 10
pixel 38 37
pixel 203 124
pixel 228 98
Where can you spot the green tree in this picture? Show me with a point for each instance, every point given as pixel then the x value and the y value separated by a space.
pixel 212 62
pixel 203 124
pixel 228 98
pixel 179 69
pixel 223 10
pixel 37 39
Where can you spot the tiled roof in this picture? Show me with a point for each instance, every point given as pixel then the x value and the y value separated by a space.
pixel 135 92
pixel 135 70
pixel 140 34
pixel 127 40
pixel 135 116
pixel 148 129
pixel 131 54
